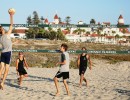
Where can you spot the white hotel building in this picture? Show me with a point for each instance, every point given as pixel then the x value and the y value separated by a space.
pixel 107 35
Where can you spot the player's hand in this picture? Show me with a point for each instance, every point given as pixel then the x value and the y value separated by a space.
pixel 90 68
pixel 57 64
pixel 11 13
pixel 17 73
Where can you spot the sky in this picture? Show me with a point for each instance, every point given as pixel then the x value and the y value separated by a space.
pixel 78 10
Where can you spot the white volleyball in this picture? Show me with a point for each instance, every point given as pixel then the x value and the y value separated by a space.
pixel 11 10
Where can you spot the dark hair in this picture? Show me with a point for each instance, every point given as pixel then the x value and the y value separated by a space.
pixel 65 46
pixel 20 53
pixel 84 48
pixel 0 29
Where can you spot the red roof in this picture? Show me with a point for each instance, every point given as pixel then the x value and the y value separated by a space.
pixel 63 23
pixel 46 20
pixel 98 23
pixel 19 30
pixel 94 35
pixel 120 17
pixel 56 17
pixel 106 23
pixel 124 29
pixel 65 32
pixel 109 37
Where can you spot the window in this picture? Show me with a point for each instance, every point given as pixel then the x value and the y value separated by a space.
pixel 16 34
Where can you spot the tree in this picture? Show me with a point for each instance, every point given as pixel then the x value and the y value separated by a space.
pixel 67 20
pixel 41 33
pixel 79 31
pixel 75 31
pixel 36 19
pixel 53 35
pixel 60 20
pixel 88 33
pixel 117 37
pixel 13 31
pixel 124 30
pixel 50 29
pixel 36 31
pixel 30 33
pixel 29 20
pixel 92 21
pixel 42 19
pixel 68 29
pixel 60 35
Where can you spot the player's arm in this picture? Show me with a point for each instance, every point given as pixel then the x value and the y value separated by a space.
pixel 78 62
pixel 25 62
pixel 62 63
pixel 90 63
pixel 17 61
pixel 11 24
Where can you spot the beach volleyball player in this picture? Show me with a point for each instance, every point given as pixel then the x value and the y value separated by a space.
pixel 64 69
pixel 6 43
pixel 83 60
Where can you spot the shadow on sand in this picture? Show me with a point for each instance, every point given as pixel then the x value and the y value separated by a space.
pixel 123 92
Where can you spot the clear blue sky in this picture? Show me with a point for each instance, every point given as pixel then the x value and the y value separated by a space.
pixel 100 10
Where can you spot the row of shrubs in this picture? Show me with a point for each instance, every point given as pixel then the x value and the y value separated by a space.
pixel 48 60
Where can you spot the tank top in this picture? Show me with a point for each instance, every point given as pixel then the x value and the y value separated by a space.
pixel 83 60
pixel 6 42
pixel 21 64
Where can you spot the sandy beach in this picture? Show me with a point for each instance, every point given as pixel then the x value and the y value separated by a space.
pixel 106 82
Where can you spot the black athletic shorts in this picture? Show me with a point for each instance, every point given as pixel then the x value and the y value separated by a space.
pixel 82 70
pixel 5 57
pixel 64 75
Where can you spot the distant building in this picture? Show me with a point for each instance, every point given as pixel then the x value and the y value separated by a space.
pixel 56 19
pixel 46 21
pixel 80 22
pixel 19 32
pixel 88 34
pixel 120 20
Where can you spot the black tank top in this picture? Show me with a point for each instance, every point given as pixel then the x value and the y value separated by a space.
pixel 83 60
pixel 21 64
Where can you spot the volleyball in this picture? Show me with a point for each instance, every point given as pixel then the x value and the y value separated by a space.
pixel 11 10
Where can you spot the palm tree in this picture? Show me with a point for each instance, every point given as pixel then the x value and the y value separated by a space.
pixel 79 31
